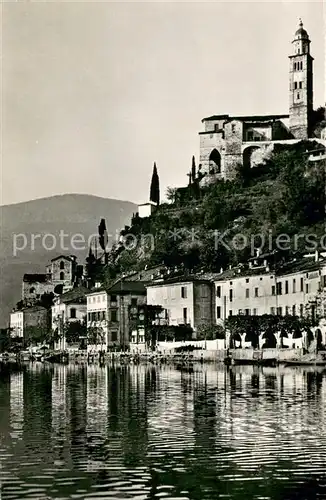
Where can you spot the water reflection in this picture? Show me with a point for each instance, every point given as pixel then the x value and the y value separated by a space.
pixel 142 432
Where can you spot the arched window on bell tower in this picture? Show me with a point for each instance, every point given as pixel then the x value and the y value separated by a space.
pixel 301 77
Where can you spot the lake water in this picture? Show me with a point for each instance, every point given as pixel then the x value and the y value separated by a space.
pixel 145 432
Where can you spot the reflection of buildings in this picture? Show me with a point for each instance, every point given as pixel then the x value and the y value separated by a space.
pixel 17 404
pixel 97 401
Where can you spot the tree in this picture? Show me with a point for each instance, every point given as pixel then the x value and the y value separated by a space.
pixel 95 335
pixel 193 170
pixel 171 194
pixel 210 332
pixel 155 187
pixel 73 330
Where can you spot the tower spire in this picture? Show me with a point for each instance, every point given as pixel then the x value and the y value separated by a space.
pixel 301 84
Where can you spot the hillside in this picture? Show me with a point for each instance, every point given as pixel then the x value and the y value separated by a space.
pixel 283 196
pixel 71 214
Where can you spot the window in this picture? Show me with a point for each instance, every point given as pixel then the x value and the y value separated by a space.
pixel 301 64
pixel 307 287
pixel 183 292
pixel 295 66
pixel 231 295
pixel 293 310
pixel 294 286
pixel 301 310
pixel 273 290
pixel 134 302
pixel 32 290
pixel 286 287
pixel 250 135
pixel 114 336
pixel 239 312
pixel 218 292
pixel 272 310
pixel 279 311
pixel 247 293
pixel 233 128
pixel 73 313
pixel 254 312
pixel 256 292
pixel 93 316
pixel 230 312
pixel 300 85
pixel 62 276
pixel 114 315
pixel 218 312
pixel 295 85
pixel 298 95
pixel 103 315
pixel 62 265
pixel 324 281
pixel 185 316
pixel 113 298
pixel 98 298
pixel 89 317
pixel 279 288
pixel 247 280
pixel 301 284
pixel 247 312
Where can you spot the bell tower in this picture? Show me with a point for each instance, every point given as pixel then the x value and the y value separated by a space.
pixel 301 87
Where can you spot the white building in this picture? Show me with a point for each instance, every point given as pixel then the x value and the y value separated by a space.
pixel 16 323
pixel 68 308
pixel 97 317
pixel 188 301
pixel 259 290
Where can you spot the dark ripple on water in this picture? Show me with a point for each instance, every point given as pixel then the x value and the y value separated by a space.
pixel 138 433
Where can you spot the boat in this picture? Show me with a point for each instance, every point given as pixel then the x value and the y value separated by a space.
pixel 310 359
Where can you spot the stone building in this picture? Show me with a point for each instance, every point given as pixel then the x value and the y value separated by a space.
pixel 64 270
pixel 231 141
pixel 34 286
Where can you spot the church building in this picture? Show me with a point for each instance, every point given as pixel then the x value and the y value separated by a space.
pixel 231 141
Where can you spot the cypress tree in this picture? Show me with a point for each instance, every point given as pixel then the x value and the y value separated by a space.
pixel 155 187
pixel 193 169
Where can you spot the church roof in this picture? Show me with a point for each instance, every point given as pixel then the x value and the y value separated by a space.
pixel 251 118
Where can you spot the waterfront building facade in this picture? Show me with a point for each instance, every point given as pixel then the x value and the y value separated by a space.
pixel 187 300
pixel 97 318
pixel 124 297
pixel 296 289
pixel 27 320
pixel 69 307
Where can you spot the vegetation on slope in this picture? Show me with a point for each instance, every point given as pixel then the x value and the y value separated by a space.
pixel 286 195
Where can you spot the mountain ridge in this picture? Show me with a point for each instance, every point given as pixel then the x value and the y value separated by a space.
pixel 35 225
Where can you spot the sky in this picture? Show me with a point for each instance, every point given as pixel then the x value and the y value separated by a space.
pixel 94 92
